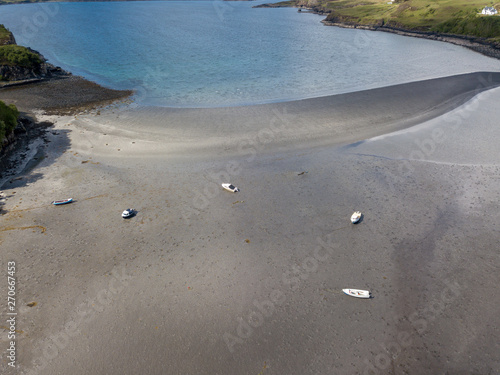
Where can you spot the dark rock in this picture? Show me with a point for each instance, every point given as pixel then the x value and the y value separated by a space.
pixel 42 71
pixel 26 131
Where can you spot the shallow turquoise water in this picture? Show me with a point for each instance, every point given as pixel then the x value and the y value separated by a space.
pixel 215 53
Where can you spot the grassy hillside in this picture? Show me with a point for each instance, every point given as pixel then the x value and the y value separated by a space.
pixel 4 35
pixel 486 27
pixel 445 16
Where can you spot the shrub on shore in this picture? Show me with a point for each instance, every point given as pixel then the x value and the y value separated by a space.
pixel 8 120
pixel 14 55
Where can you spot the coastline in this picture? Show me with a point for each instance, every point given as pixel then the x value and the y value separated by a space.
pixel 60 95
pixel 63 95
pixel 202 281
pixel 197 265
pixel 477 44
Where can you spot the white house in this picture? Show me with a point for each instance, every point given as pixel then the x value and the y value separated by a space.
pixel 489 11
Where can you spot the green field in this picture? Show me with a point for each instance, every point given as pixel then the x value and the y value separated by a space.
pixel 444 16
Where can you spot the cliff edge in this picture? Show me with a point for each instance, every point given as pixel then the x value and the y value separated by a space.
pixel 20 64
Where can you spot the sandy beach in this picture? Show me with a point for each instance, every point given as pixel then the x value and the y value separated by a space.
pixel 203 281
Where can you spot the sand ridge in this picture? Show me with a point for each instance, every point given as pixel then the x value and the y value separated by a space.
pixel 337 119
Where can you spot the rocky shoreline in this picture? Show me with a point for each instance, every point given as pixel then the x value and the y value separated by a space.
pixel 22 147
pixel 62 95
pixel 15 75
pixel 477 44
pixel 41 86
pixel 65 95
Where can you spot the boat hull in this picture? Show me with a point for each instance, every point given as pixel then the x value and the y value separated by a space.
pixel 358 293
pixel 231 188
pixel 64 201
pixel 356 217
pixel 128 213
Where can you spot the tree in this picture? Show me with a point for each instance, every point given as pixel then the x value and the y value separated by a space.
pixel 8 120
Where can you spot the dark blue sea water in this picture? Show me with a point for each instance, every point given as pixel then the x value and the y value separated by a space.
pixel 216 53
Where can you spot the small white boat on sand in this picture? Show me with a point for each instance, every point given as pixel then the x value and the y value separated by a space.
pixel 129 212
pixel 230 187
pixel 358 293
pixel 355 217
pixel 63 201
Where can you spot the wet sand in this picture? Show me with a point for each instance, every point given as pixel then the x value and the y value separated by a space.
pixel 61 96
pixel 202 281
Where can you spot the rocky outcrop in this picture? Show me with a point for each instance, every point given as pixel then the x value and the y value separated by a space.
pixel 21 64
pixel 15 146
pixel 348 22
pixel 272 5
pixel 42 71
pixel 306 5
pixel 14 73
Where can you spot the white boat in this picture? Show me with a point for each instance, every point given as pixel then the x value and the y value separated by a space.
pixel 230 187
pixel 127 213
pixel 358 293
pixel 355 217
